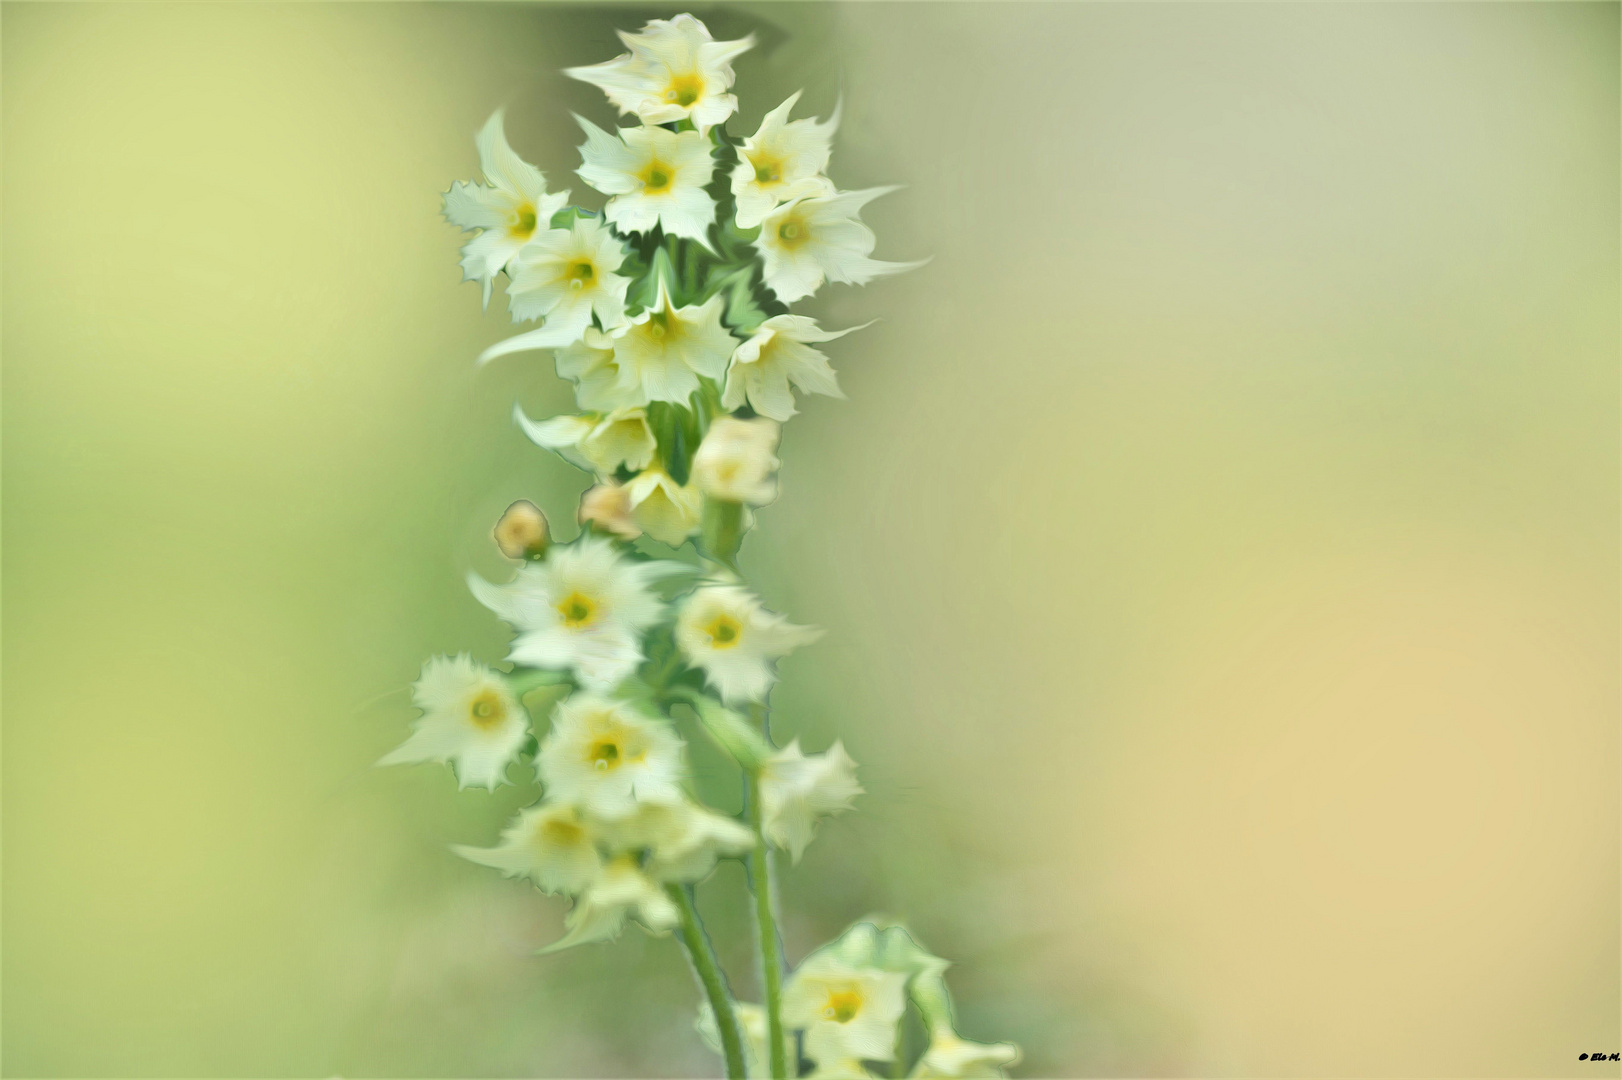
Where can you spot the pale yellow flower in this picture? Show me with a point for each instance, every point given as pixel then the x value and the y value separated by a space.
pixel 724 630
pixel 665 510
pixel 657 177
pixel 951 1056
pixel 735 462
pixel 807 241
pixel 674 71
pixel 848 1013
pixel 564 276
pixel 583 608
pixel 783 160
pixel 683 840
pixel 607 506
pixel 591 363
pixel 796 790
pixel 776 355
pixel 597 444
pixel 507 211
pixel 608 758
pixel 619 891
pixel 665 350
pixel 469 717
pixel 552 844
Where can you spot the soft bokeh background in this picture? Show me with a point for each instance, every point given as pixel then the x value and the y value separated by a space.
pixel 1218 550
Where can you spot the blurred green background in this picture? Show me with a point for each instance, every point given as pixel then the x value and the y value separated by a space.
pixel 1218 550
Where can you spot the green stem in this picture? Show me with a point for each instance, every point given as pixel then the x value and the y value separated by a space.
pixel 771 949
pixel 708 970
pixel 521 680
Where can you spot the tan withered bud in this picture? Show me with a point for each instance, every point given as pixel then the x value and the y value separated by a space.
pixel 608 507
pixel 521 533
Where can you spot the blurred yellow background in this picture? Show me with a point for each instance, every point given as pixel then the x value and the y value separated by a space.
pixel 1218 550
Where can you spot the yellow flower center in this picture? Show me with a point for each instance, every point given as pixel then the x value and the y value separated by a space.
pixel 522 225
pixel 486 710
pixel 560 833
pixel 656 177
pixel 842 1006
pixel 685 89
pixel 577 610
pixel 604 755
pixel 793 232
pixel 580 274
pixel 767 170
pixel 724 632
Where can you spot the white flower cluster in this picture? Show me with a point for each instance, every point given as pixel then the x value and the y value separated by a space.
pixel 667 309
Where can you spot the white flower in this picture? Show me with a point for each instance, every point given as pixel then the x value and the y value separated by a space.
pixel 683 839
pixel 775 356
pixel 950 1056
pixel 807 240
pixel 754 1028
pixel 724 630
pixel 607 506
pixel 507 210
pixel 795 790
pixel 665 510
pixel 657 177
pixel 665 349
pixel 848 1013
pixel 597 444
pixel 674 71
pixel 606 757
pixel 783 160
pixel 590 362
pixel 551 844
pixel 564 276
pixel 620 890
pixel 469 717
pixel 583 608
pixel 839 1069
pixel 735 461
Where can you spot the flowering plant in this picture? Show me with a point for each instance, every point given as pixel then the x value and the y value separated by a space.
pixel 668 310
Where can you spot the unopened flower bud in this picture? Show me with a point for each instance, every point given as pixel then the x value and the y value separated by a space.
pixel 608 507
pixel 521 533
pixel 735 462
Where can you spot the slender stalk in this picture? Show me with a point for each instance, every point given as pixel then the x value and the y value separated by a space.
pixel 771 949
pixel 708 970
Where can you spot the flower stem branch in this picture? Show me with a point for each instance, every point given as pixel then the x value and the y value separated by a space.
pixel 708 969
pixel 771 947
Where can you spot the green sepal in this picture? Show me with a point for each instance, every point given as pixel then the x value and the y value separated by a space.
pixel 742 313
pixel 934 1002
pixel 721 530
pixel 676 430
pixel 730 731
pixel 566 217
pixel 523 680
pixel 645 290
